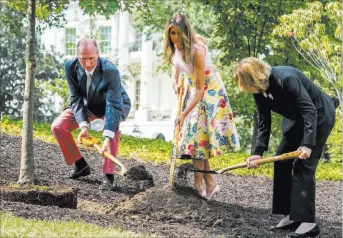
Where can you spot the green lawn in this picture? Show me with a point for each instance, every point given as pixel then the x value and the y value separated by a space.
pixel 158 151
pixel 12 226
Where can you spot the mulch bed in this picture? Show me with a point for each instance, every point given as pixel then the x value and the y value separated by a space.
pixel 241 209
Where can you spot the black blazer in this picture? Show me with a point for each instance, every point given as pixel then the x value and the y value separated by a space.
pixel 107 98
pixel 297 99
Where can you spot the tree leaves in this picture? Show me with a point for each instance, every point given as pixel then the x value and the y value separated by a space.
pixel 48 12
pixel 12 73
pixel 316 33
pixel 109 7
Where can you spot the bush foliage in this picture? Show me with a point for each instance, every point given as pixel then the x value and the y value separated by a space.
pixel 159 151
pixel 334 142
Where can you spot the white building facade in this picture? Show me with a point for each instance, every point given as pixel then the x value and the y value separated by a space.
pixel 136 56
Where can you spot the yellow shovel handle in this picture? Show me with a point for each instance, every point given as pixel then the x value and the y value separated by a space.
pixel 263 161
pixel 114 160
pixel 91 141
pixel 176 135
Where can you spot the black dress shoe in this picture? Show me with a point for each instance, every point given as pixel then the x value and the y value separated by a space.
pixel 311 233
pixel 80 172
pixel 107 182
pixel 290 227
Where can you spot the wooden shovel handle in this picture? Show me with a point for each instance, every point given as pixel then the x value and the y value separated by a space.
pixel 91 141
pixel 114 160
pixel 263 161
pixel 176 135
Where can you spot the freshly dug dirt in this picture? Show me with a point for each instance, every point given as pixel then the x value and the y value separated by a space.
pixel 137 179
pixel 138 173
pixel 181 178
pixel 61 197
pixel 241 209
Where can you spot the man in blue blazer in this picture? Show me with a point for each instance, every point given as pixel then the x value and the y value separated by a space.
pixel 95 92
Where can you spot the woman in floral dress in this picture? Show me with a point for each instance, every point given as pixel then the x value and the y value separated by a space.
pixel 206 121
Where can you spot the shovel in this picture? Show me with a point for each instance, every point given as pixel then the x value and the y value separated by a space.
pixel 176 136
pixel 285 156
pixel 91 141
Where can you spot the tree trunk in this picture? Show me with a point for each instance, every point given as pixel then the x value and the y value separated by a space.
pixel 254 133
pixel 27 161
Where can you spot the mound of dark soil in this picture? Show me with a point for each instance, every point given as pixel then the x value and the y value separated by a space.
pixel 138 173
pixel 241 209
pixel 161 203
pixel 137 179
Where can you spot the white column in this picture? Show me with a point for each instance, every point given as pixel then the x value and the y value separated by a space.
pixel 146 79
pixel 123 50
pixel 124 39
pixel 115 33
pixel 60 36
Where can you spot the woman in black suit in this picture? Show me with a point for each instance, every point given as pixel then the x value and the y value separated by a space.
pixel 308 118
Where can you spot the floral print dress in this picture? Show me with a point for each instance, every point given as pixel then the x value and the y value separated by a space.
pixel 209 129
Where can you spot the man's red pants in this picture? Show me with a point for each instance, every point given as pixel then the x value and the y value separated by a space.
pixel 61 129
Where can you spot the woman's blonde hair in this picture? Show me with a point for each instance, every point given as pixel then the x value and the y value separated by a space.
pixel 187 37
pixel 252 73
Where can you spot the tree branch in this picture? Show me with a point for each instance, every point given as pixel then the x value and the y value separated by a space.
pixel 261 33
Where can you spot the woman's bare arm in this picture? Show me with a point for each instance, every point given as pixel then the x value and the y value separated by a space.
pixel 199 73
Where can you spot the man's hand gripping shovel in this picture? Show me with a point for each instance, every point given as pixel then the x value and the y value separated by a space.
pixel 90 141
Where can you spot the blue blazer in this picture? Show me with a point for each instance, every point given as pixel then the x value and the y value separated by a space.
pixel 106 97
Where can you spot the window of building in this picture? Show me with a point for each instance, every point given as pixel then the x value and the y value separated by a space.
pixel 137 45
pixel 105 40
pixel 138 94
pixel 70 41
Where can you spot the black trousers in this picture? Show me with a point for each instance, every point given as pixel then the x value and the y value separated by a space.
pixel 294 180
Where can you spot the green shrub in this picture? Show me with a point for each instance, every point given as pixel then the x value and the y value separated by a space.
pixel 159 151
pixel 334 142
